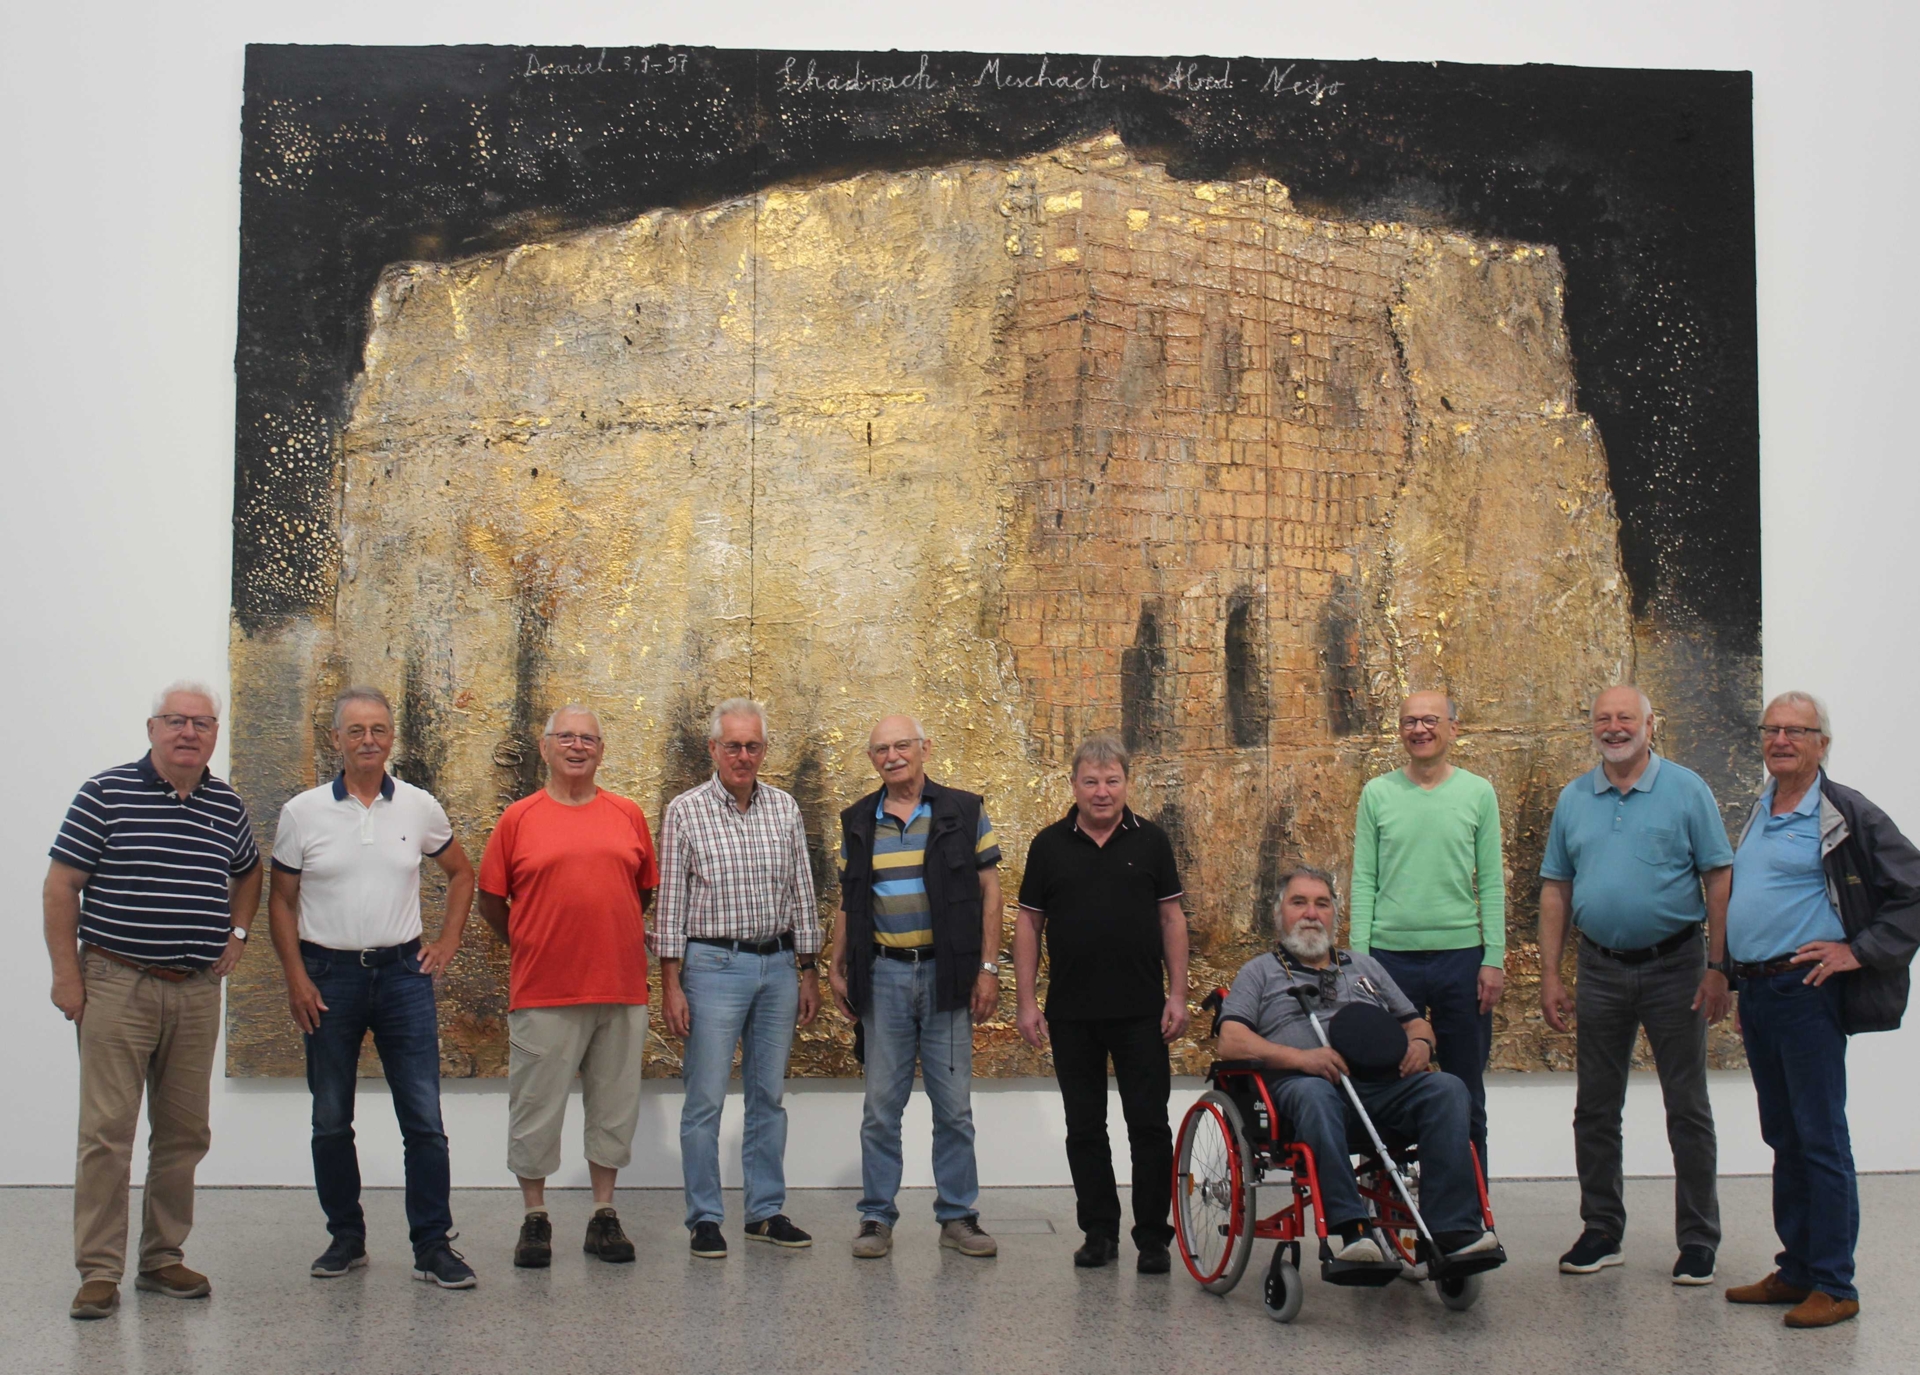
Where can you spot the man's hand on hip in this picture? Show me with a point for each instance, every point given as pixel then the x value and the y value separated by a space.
pixel 1827 958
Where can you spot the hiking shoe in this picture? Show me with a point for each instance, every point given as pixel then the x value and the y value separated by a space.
pixel 1695 1265
pixel 1821 1309
pixel 605 1239
pixel 1154 1260
pixel 445 1267
pixel 707 1243
pixel 175 1281
pixel 965 1235
pixel 342 1254
pixel 1096 1251
pixel 95 1299
pixel 1772 1289
pixel 1594 1251
pixel 534 1250
pixel 779 1230
pixel 875 1239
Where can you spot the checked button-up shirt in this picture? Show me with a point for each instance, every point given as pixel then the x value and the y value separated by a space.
pixel 726 874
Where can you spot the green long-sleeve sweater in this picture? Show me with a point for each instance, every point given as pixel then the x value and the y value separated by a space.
pixel 1427 870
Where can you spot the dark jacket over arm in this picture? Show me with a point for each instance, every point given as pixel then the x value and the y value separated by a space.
pixel 1873 875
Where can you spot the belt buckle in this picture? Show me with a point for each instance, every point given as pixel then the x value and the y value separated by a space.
pixel 363 959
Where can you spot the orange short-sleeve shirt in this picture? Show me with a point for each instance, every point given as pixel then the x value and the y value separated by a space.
pixel 573 877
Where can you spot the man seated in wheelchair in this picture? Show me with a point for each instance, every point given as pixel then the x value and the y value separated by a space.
pixel 1387 1053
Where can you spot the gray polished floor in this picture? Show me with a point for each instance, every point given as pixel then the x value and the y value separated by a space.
pixel 924 1309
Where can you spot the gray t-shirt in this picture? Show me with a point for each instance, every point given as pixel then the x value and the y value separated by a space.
pixel 1262 996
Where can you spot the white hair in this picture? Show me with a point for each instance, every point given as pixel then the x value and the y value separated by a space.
pixel 738 706
pixel 919 731
pixel 1806 699
pixel 185 685
pixel 1646 702
pixel 574 709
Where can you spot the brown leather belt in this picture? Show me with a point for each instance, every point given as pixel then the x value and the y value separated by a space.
pixel 1764 970
pixel 159 971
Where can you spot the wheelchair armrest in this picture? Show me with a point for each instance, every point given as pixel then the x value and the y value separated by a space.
pixel 1220 1067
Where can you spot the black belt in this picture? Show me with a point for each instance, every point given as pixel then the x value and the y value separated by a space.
pixel 917 954
pixel 1764 970
pixel 368 959
pixel 1677 941
pixel 783 941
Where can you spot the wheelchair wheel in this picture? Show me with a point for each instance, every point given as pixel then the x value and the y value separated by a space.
pixel 1284 1291
pixel 1212 1193
pixel 1460 1293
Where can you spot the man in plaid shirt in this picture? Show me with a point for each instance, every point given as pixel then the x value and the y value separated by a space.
pixel 737 919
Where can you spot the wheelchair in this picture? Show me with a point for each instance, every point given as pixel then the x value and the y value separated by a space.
pixel 1233 1140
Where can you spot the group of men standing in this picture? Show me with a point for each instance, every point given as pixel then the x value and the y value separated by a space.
pixel 1813 916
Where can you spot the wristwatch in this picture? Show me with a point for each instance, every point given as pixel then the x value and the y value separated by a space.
pixel 239 933
pixel 809 962
pixel 990 967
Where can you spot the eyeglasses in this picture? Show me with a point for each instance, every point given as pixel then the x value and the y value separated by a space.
pixel 175 722
pixel 1789 732
pixel 574 737
pixel 753 749
pixel 1409 722
pixel 897 747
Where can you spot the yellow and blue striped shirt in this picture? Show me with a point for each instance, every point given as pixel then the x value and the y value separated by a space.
pixel 902 916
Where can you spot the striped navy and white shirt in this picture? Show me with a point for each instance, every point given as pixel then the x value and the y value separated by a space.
pixel 158 864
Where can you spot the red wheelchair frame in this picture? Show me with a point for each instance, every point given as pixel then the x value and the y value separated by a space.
pixel 1214 1200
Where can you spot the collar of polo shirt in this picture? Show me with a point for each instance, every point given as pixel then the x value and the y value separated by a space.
pixel 1644 783
pixel 340 786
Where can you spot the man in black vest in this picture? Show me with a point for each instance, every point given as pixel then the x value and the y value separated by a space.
pixel 915 949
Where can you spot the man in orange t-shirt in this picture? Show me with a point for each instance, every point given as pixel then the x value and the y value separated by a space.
pixel 566 880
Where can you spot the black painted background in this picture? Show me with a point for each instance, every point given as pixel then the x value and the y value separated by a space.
pixel 357 157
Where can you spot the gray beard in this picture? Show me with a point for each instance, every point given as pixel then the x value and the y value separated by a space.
pixel 1310 946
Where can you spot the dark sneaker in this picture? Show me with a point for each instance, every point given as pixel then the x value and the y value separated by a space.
pixel 342 1254
pixel 175 1281
pixel 1695 1265
pixel 445 1267
pixel 1594 1251
pixel 605 1239
pixel 779 1230
pixel 965 1235
pixel 95 1299
pixel 534 1250
pixel 1096 1251
pixel 1154 1260
pixel 707 1243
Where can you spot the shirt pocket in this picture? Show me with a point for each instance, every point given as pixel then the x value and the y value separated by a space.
pixel 1795 849
pixel 1659 846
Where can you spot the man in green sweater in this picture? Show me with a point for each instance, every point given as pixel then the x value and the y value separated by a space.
pixel 1429 892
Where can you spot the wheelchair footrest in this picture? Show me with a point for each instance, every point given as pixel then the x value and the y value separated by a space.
pixel 1477 1263
pixel 1364 1274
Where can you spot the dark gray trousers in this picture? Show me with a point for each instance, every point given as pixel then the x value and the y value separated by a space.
pixel 1612 1001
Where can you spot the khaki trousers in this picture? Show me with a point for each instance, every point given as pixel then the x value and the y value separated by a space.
pixel 603 1044
pixel 139 1035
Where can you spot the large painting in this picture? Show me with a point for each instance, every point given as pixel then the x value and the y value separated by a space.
pixel 1214 402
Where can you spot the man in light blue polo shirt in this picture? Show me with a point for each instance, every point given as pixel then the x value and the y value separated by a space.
pixel 1631 844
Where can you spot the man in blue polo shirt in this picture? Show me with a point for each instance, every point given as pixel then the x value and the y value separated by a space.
pixel 916 948
pixel 1630 846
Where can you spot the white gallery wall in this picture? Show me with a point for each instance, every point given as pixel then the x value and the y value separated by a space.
pixel 119 153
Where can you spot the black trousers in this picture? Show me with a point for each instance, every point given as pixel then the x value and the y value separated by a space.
pixel 1081 1050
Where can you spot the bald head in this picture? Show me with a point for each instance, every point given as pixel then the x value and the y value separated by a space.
pixel 1428 724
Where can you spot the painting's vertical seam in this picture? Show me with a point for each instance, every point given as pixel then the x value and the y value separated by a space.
pixel 753 390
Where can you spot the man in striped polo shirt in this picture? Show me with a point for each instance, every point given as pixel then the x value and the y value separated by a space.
pixel 153 883
pixel 916 949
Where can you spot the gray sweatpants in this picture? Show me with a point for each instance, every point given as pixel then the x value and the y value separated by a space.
pixel 1612 1001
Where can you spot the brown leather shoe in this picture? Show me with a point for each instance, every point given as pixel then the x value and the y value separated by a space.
pixel 175 1281
pixel 1821 1310
pixel 96 1299
pixel 1768 1290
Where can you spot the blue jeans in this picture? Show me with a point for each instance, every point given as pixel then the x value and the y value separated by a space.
pixel 395 1003
pixel 1430 1109
pixel 901 1026
pixel 1444 987
pixel 750 1001
pixel 1798 1055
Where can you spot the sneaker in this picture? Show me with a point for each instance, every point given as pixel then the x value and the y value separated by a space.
pixel 707 1243
pixel 779 1230
pixel 1096 1251
pixel 1695 1265
pixel 1154 1260
pixel 964 1234
pixel 445 1267
pixel 1355 1244
pixel 605 1239
pixel 95 1299
pixel 1772 1289
pixel 875 1239
pixel 1459 1245
pixel 534 1250
pixel 1594 1251
pixel 342 1254
pixel 175 1281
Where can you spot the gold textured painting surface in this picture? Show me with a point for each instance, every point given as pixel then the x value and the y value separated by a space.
pixel 1027 448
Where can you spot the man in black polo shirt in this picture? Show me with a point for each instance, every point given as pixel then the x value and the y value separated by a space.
pixel 153 882
pixel 1102 886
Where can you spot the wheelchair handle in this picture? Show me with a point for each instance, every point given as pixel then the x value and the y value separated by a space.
pixel 1213 1002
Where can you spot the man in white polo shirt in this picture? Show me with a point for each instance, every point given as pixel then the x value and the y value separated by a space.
pixel 345 914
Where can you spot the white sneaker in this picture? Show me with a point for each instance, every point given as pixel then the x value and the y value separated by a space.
pixel 1363 1250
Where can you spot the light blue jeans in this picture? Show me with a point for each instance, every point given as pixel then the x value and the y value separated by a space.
pixel 750 1001
pixel 903 1026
